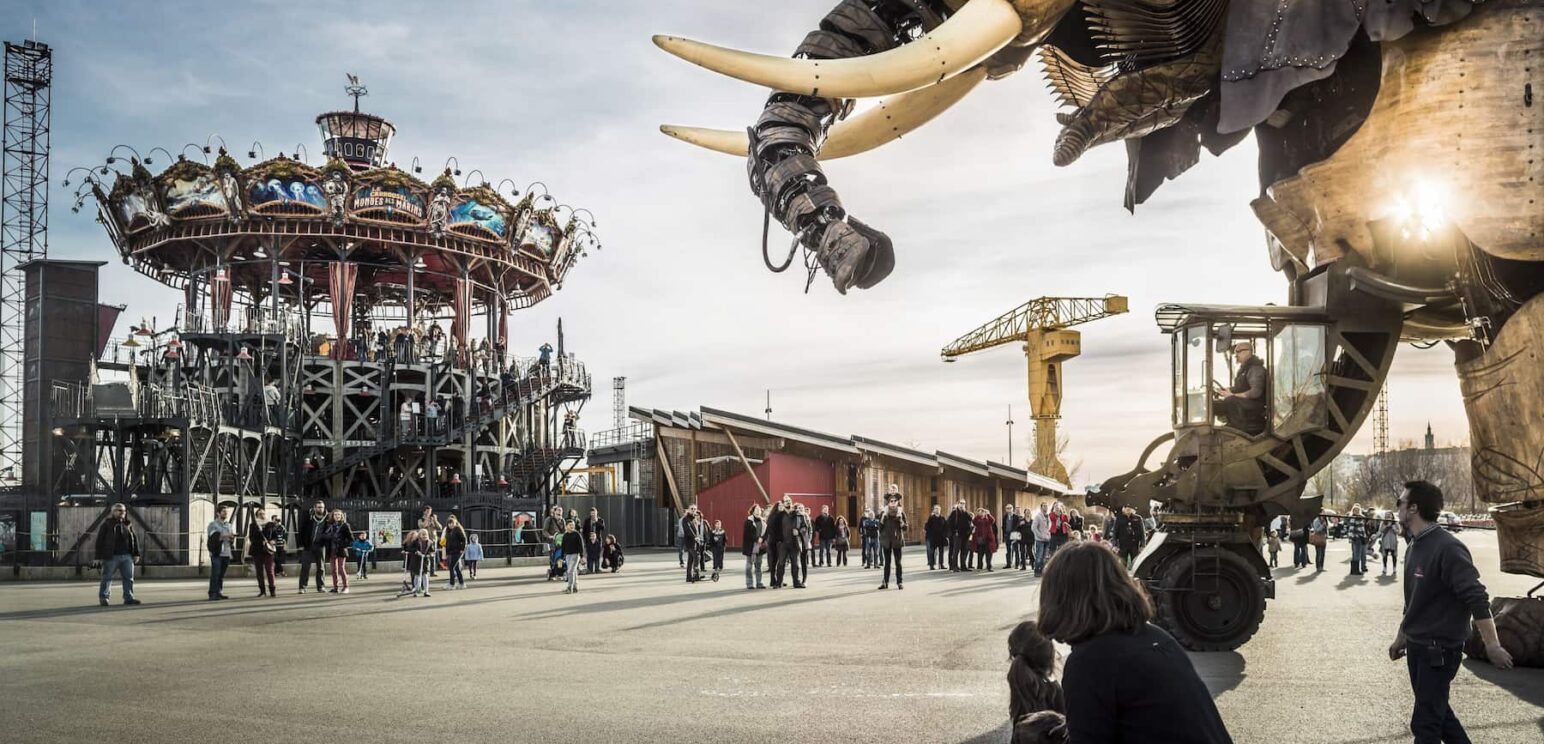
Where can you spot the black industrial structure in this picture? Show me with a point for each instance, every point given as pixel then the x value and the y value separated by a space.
pixel 243 400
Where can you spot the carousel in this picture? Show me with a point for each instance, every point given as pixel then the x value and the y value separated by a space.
pixel 343 332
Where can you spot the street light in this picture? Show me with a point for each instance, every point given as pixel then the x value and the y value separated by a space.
pixel 1009 422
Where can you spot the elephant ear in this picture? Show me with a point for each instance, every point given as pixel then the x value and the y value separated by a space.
pixel 1166 153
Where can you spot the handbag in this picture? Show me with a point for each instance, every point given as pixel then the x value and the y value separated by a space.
pixel 1016 536
pixel 1316 539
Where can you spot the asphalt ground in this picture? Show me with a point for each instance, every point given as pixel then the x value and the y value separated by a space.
pixel 640 656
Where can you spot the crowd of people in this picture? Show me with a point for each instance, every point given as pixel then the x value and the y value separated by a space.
pixel 1364 531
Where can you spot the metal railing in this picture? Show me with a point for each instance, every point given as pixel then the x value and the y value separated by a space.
pixel 633 433
pixel 249 319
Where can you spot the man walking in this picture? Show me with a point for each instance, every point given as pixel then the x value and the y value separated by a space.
pixel 307 533
pixel 825 528
pixel 691 538
pixel 117 547
pixel 936 533
pixel 1040 529
pixel 795 526
pixel 892 537
pixel 1128 535
pixel 222 538
pixel 1443 594
pixel 959 536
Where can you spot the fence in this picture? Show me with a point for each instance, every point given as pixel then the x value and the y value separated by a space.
pixel 635 522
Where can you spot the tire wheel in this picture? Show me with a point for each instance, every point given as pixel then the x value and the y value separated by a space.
pixel 1210 599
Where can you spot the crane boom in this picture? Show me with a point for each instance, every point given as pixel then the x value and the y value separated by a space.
pixel 1042 313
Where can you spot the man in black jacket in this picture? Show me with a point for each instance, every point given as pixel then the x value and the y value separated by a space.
pixel 594 535
pixel 691 538
pixel 1127 534
pixel 1443 594
pixel 795 532
pixel 936 533
pixel 825 528
pixel 753 545
pixel 117 547
pixel 780 511
pixel 307 534
pixel 959 537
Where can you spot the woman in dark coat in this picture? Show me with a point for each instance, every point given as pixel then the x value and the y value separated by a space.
pixel 752 545
pixel 335 538
pixel 1089 601
pixel 455 546
pixel 260 550
pixel 611 553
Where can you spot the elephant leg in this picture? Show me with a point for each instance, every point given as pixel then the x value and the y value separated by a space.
pixel 1503 389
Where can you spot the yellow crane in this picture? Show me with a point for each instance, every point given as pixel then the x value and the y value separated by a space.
pixel 1042 325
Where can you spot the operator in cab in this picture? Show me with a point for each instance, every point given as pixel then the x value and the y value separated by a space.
pixel 1243 405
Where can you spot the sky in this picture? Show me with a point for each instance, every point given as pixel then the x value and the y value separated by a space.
pixel 571 94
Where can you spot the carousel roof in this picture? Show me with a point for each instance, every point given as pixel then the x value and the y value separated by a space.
pixel 193 217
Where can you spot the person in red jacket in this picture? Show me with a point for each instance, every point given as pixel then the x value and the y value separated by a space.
pixel 1061 528
pixel 984 538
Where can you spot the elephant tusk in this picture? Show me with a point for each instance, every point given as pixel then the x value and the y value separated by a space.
pixel 974 33
pixel 886 122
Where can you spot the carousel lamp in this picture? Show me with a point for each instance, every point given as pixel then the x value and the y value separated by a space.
pixel 455 479
pixel 143 329
pixel 171 354
pixel 310 465
pixel 284 280
pixel 244 355
pixel 365 392
pixel 175 343
pixel 131 343
pixel 308 390
pixel 503 482
pixel 220 273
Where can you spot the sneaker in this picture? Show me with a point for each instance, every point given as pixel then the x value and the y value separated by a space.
pixel 898 586
pixel 884 586
pixel 129 602
pixel 104 602
pixel 426 592
pixel 345 590
pixel 302 590
pixel 449 586
pixel 333 590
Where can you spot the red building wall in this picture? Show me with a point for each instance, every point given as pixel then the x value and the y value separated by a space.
pixel 809 482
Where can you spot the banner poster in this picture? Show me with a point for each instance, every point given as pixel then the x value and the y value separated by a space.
pixel 40 531
pixel 386 529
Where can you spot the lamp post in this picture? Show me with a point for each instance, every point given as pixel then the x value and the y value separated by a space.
pixel 1009 422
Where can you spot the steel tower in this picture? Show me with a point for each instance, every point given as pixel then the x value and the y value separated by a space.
pixel 29 68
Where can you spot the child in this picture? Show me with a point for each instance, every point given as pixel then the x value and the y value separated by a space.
pixel 362 549
pixel 716 542
pixel 573 547
pixel 611 553
pixel 417 552
pixel 1273 542
pixel 1030 687
pixel 1388 544
pixel 473 555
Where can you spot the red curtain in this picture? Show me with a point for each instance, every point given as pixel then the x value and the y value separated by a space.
pixel 340 281
pixel 220 301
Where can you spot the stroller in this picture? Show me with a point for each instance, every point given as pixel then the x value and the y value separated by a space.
pixel 705 558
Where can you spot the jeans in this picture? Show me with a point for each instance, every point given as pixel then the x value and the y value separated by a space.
pixel 1042 552
pixel 456 576
pixel 1318 557
pixel 573 575
pixel 263 566
pixel 308 559
pixel 680 551
pixel 338 564
pixel 753 561
pixel 795 556
pixel 841 554
pixel 124 565
pixel 1299 555
pixel 1358 556
pixel 892 556
pixel 421 582
pixel 693 563
pixel 1010 552
pixel 217 566
pixel 935 556
pixel 1431 674
pixel 870 552
pixel 823 553
pixel 592 556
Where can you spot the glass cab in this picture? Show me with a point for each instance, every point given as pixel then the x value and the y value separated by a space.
pixel 1257 375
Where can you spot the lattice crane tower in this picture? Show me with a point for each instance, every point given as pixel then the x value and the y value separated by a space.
pixel 29 68
pixel 618 402
pixel 1043 326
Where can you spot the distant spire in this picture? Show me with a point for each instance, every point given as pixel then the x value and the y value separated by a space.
pixel 1431 441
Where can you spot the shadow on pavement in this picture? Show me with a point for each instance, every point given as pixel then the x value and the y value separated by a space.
pixel 1221 671
pixel 1351 580
pixel 730 611
pixel 1526 685
pixel 52 613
